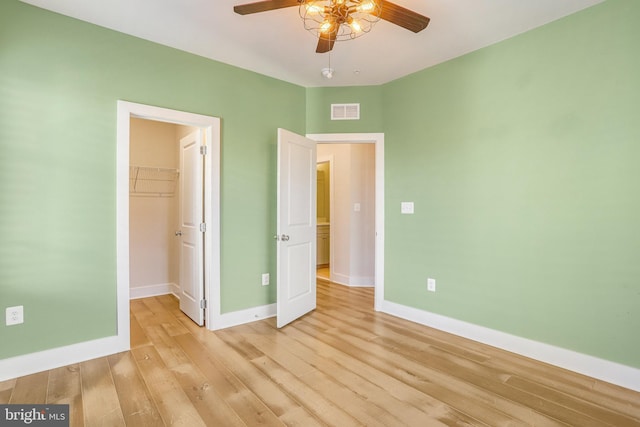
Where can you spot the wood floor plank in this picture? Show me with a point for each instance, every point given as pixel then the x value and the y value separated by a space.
pixel 253 397
pixel 31 389
pixel 138 336
pixel 464 398
pixel 458 367
pixel 394 385
pixel 65 388
pixel 6 388
pixel 557 405
pixel 213 409
pixel 569 382
pixel 407 404
pixel 320 405
pixel 173 404
pixel 278 399
pixel 571 403
pixel 168 349
pixel 101 407
pixel 137 406
pixel 203 394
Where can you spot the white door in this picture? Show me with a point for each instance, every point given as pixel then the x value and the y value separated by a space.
pixel 296 225
pixel 191 227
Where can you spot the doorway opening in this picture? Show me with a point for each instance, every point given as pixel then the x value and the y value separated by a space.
pixel 377 232
pixel 210 127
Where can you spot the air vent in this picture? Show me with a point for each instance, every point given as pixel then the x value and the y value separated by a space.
pixel 345 111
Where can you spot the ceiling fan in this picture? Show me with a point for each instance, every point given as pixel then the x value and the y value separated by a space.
pixel 334 20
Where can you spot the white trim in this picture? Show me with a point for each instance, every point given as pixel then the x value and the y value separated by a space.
pixel 341 279
pixel 615 373
pixel 147 291
pixel 378 140
pixel 28 364
pixel 362 281
pixel 241 317
pixel 353 281
pixel 211 127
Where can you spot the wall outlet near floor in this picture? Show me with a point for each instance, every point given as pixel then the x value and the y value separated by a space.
pixel 15 315
pixel 431 285
pixel 265 279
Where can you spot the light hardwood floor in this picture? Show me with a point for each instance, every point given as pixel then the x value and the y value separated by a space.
pixel 322 273
pixel 342 365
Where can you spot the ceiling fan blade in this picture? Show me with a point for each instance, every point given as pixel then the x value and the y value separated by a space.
pixel 405 18
pixel 325 43
pixel 263 6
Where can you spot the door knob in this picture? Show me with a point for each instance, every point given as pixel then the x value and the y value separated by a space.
pixel 179 233
pixel 282 238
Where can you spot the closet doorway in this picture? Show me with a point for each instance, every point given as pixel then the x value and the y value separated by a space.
pixel 208 193
pixel 165 212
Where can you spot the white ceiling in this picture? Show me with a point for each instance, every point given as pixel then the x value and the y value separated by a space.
pixel 275 43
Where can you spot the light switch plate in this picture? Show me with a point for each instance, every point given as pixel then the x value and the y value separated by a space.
pixel 406 207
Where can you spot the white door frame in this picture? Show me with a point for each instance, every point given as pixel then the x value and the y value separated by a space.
pixel 378 140
pixel 211 128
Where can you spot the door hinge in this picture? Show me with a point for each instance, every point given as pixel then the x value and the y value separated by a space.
pixel 203 150
pixel 203 227
pixel 203 304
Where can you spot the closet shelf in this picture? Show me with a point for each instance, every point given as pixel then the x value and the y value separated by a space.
pixel 147 181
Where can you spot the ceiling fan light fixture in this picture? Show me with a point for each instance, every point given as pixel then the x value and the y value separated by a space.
pixel 339 19
pixel 335 20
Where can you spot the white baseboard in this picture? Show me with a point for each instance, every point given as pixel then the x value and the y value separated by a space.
pixel 241 317
pixel 353 281
pixel 615 373
pixel 136 292
pixel 361 281
pixel 28 364
pixel 341 279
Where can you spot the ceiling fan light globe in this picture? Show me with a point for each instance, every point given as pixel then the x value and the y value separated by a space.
pixel 313 8
pixel 326 27
pixel 366 7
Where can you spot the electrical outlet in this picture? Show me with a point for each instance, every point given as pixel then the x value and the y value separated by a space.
pixel 406 208
pixel 431 285
pixel 15 315
pixel 265 279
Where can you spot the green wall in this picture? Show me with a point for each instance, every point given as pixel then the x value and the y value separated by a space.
pixel 59 82
pixel 523 163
